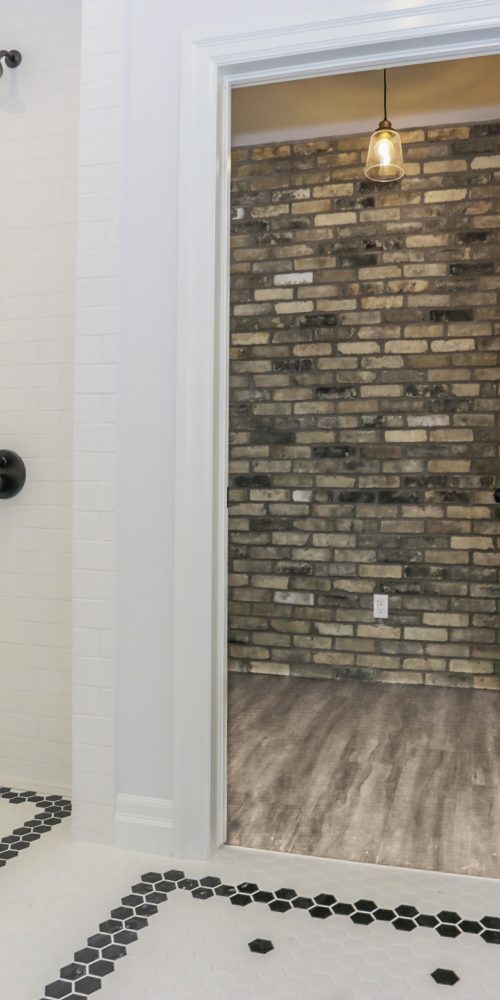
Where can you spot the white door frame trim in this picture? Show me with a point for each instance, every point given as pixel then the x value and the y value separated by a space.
pixel 422 32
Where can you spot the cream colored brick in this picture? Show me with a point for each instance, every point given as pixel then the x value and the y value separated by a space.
pixel 452 434
pixel 270 294
pixel 449 194
pixel 334 628
pixel 486 162
pixel 294 278
pixel 270 582
pixel 445 619
pixel 381 391
pixel 357 347
pixel 426 634
pixel 445 166
pixel 405 437
pixel 453 465
pixel 270 667
pixel 441 346
pixel 424 663
pixel 471 542
pixel 336 219
pixel 406 347
pixel 379 631
pixel 471 666
pixel 336 305
pixel 294 307
pixel 379 662
pixel 307 207
pixel 487 683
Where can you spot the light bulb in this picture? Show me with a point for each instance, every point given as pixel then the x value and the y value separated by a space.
pixel 384 151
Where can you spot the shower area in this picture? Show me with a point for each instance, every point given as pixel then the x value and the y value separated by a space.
pixel 39 124
pixel 364 467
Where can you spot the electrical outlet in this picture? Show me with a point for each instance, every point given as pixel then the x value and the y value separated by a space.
pixel 380 606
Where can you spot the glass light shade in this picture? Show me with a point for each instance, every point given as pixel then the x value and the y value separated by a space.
pixel 385 156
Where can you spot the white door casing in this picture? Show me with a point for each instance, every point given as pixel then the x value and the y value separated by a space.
pixel 387 36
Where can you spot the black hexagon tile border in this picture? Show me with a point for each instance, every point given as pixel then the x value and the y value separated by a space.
pixel 97 959
pixel 53 809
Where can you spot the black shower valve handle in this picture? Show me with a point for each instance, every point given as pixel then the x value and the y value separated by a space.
pixel 12 474
pixel 496 495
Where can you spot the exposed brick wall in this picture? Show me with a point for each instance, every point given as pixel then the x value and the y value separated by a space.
pixel 364 418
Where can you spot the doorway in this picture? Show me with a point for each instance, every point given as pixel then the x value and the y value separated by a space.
pixel 362 447
pixel 212 70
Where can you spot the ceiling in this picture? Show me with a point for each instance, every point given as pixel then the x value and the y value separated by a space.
pixel 460 90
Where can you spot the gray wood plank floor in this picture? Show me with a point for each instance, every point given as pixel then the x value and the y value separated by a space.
pixel 380 773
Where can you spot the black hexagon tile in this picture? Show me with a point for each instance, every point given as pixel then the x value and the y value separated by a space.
pixel 445 977
pixel 260 946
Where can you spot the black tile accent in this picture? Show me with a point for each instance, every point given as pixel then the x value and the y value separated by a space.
pixel 362 918
pixel 73 971
pixel 302 903
pixel 470 926
pixel 240 900
pixel 202 893
pixel 261 946
pixel 229 890
pixel 280 905
pixel 404 924
pixel 58 989
pixel 491 937
pixel 321 912
pixel 449 917
pixel 448 930
pixel 426 920
pixel 248 887
pixel 55 809
pixel 92 963
pixel 367 905
pixel 287 894
pixel 445 977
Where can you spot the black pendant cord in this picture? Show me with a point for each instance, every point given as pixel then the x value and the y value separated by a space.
pixel 385 95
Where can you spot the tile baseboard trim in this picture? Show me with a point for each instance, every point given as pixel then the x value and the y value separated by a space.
pixel 143 823
pixel 42 788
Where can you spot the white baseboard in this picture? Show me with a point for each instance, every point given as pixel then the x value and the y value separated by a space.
pixel 40 787
pixel 143 824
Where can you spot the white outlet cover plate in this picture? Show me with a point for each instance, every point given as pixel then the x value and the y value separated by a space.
pixel 380 606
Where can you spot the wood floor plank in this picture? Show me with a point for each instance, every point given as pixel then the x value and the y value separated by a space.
pixel 389 774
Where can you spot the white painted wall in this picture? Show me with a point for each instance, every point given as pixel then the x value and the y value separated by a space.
pixel 128 291
pixel 38 158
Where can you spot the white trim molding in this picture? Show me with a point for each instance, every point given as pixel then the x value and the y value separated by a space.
pixel 418 33
pixel 142 823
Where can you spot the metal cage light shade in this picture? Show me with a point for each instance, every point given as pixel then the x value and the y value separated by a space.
pixel 385 155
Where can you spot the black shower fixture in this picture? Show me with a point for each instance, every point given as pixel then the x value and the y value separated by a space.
pixel 12 58
pixel 12 474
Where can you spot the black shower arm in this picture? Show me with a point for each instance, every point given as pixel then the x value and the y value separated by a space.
pixel 12 58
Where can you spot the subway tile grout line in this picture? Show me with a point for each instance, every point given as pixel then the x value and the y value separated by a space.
pixel 97 959
pixel 54 808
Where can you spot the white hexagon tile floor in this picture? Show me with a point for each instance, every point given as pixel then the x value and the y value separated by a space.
pixel 54 896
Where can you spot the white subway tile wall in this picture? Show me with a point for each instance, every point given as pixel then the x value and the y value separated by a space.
pixel 98 275
pixel 39 146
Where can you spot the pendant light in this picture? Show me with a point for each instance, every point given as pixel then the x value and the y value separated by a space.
pixel 385 156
